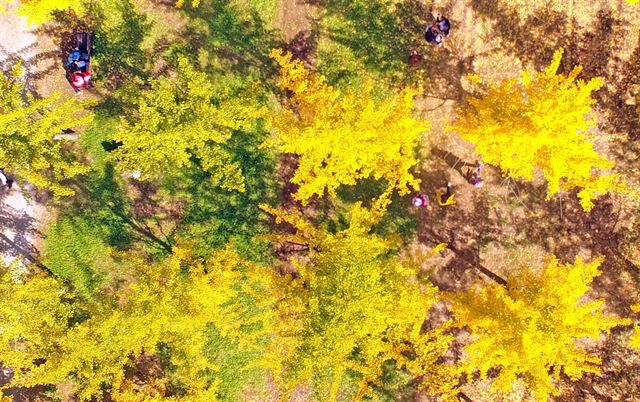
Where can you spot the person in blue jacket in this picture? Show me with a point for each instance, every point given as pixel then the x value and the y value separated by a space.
pixel 73 57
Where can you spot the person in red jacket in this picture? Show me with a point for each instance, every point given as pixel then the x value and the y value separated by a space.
pixel 80 79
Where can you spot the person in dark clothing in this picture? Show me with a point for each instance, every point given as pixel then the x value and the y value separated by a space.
pixel 438 30
pixel 432 34
pixel 443 25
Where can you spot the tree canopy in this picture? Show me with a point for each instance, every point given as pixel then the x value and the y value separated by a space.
pixel 182 119
pixel 541 121
pixel 28 127
pixel 529 328
pixel 350 306
pixel 341 138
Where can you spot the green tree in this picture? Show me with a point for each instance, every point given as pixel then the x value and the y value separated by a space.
pixel 181 118
pixel 27 129
pixel 351 306
pixel 528 329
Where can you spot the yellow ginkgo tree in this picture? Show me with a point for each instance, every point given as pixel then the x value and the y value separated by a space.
pixel 180 119
pixel 341 138
pixel 541 122
pixel 29 127
pixel 635 338
pixel 48 337
pixel 351 306
pixel 528 329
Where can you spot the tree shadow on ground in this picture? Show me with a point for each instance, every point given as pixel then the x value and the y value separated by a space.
pixel 596 48
pixel 18 228
pixel 514 214
pixel 617 380
pixel 240 42
pixel 30 65
pixel 212 216
pixel 102 202
pixel 118 55
pixel 379 35
pixel 379 38
pixel 118 31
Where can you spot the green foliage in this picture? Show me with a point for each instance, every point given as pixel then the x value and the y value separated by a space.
pixel 351 307
pixel 118 57
pixel 180 119
pixel 233 40
pixel 213 216
pixel 369 37
pixel 75 252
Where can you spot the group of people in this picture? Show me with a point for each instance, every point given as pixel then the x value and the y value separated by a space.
pixel 437 30
pixel 447 197
pixel 433 34
pixel 79 63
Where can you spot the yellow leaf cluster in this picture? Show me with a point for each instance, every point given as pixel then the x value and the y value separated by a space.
pixel 39 11
pixel 343 137
pixel 541 121
pixel 635 338
pixel 27 131
pixel 194 3
pixel 169 303
pixel 350 307
pixel 178 119
pixel 529 328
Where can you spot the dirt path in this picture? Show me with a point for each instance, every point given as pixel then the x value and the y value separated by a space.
pixel 293 17
pixel 21 216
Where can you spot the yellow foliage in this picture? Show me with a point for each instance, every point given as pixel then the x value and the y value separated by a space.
pixel 194 3
pixel 635 338
pixel 343 137
pixel 530 326
pixel 541 122
pixel 27 131
pixel 169 303
pixel 39 11
pixel 178 119
pixel 350 307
